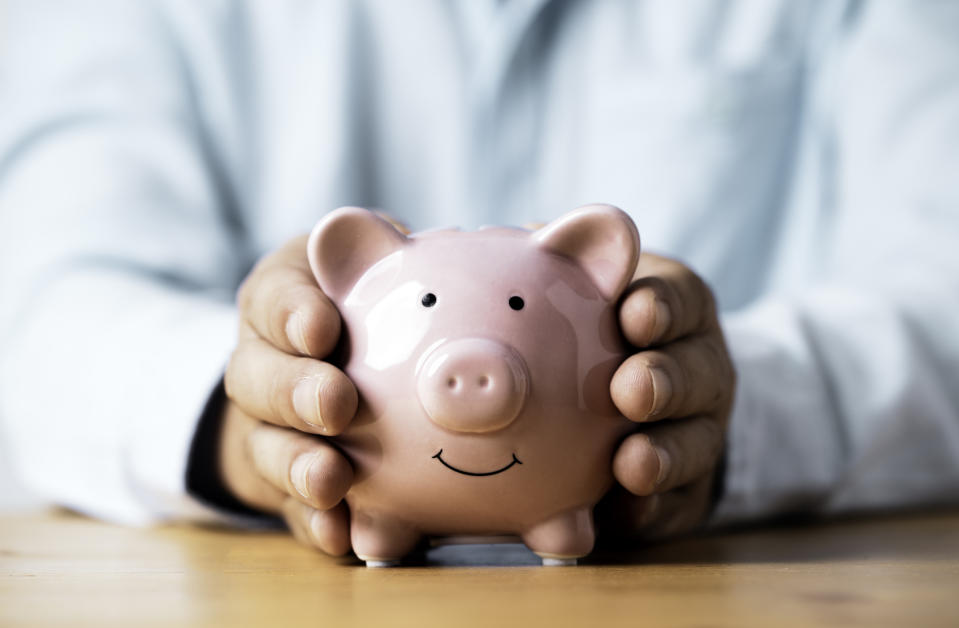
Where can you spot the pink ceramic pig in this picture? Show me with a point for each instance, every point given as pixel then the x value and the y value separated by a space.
pixel 483 361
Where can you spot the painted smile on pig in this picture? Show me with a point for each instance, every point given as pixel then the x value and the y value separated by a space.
pixel 439 456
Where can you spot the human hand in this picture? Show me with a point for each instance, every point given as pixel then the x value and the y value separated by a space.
pixel 678 387
pixel 283 399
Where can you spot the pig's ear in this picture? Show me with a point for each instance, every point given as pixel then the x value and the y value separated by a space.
pixel 601 239
pixel 345 243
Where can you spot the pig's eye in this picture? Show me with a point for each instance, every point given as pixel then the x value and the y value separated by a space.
pixel 428 300
pixel 516 303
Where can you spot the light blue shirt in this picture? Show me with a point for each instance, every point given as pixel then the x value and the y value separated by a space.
pixel 803 157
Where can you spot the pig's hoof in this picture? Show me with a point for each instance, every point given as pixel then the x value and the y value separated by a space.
pixel 559 562
pixel 385 563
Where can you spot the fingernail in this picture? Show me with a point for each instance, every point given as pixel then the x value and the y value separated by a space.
pixel 662 390
pixel 661 324
pixel 665 463
pixel 306 402
pixel 300 473
pixel 315 526
pixel 296 332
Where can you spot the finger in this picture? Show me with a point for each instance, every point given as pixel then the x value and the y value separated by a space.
pixel 620 514
pixel 676 512
pixel 665 301
pixel 627 517
pixel 667 455
pixel 304 467
pixel 686 377
pixel 303 393
pixel 281 301
pixel 327 530
pixel 235 467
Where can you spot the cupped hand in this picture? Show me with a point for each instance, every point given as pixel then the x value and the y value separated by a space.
pixel 678 388
pixel 283 399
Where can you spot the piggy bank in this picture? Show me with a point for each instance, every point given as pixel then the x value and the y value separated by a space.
pixel 482 361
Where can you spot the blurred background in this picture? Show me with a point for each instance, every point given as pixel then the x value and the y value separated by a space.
pixel 13 494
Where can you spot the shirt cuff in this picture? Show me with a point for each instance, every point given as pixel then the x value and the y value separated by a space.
pixel 782 444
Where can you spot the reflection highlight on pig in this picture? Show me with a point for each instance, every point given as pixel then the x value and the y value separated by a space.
pixel 483 361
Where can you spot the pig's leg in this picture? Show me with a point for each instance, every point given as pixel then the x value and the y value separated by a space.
pixel 381 540
pixel 563 538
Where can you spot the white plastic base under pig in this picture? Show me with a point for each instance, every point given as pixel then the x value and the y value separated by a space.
pixel 559 562
pixel 547 562
pixel 479 550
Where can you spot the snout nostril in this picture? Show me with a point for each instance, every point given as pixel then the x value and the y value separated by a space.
pixel 483 381
pixel 452 383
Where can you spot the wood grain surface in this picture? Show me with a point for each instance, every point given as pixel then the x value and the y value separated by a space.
pixel 60 569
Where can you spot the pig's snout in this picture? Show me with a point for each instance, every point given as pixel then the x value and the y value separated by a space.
pixel 473 385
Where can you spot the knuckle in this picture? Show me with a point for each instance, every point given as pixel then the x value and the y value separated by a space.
pixel 694 282
pixel 277 393
pixel 657 360
pixel 232 374
pixel 702 295
pixel 246 292
pixel 277 316
pixel 257 440
pixel 701 441
pixel 229 386
pixel 720 367
pixel 714 435
pixel 686 276
pixel 318 320
pixel 293 512
pixel 657 285
pixel 300 294
pixel 686 300
pixel 694 300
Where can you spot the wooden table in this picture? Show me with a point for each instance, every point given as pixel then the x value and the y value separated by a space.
pixel 58 569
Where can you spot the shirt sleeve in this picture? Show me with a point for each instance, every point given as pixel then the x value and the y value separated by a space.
pixel 119 255
pixel 848 394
